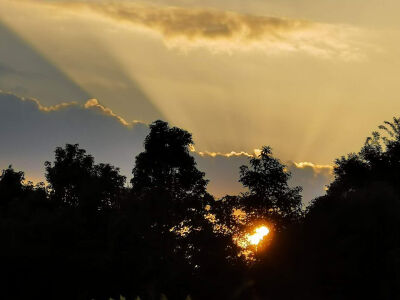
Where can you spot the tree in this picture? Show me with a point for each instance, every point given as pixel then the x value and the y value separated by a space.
pixel 166 163
pixel 11 185
pixel 269 194
pixel 377 161
pixel 77 181
pixel 166 176
pixel 170 196
pixel 353 230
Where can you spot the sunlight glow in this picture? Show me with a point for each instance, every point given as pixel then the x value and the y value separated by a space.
pixel 254 239
pixel 260 233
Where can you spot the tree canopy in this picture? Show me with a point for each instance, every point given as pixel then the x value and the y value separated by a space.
pixel 165 176
pixel 269 194
pixel 359 218
pixel 166 165
pixel 76 180
pixel 11 185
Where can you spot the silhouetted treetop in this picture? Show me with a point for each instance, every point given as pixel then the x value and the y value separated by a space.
pixel 11 185
pixel 166 164
pixel 378 160
pixel 76 180
pixel 353 230
pixel 269 193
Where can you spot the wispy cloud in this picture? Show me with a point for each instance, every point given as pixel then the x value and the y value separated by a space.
pixel 220 30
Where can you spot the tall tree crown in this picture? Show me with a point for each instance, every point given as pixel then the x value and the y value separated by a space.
pixel 269 193
pixel 166 164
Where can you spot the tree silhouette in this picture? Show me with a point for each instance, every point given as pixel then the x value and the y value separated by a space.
pixel 166 177
pixel 269 194
pixel 11 185
pixel 167 165
pixel 353 230
pixel 378 160
pixel 77 181
pixel 169 196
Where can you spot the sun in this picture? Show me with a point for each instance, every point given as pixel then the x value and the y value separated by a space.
pixel 253 239
pixel 258 235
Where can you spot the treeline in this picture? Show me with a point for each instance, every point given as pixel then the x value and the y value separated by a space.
pixel 87 234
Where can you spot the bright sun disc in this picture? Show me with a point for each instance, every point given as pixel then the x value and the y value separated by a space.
pixel 256 237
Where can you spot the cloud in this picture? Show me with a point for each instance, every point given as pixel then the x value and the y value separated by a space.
pixel 317 169
pixel 91 104
pixel 207 24
pixel 6 96
pixel 51 107
pixel 220 154
pixel 313 178
pixel 220 30
pixel 94 104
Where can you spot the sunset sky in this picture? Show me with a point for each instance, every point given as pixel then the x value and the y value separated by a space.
pixel 310 78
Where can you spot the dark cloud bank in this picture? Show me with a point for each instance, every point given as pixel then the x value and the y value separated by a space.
pixel 29 133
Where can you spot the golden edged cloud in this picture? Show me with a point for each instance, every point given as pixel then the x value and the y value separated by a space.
pixel 230 154
pixel 91 104
pixel 52 107
pixel 94 104
pixel 41 107
pixel 317 169
pixel 226 31
pixel 221 154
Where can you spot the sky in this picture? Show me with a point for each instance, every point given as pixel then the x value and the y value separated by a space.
pixel 310 78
